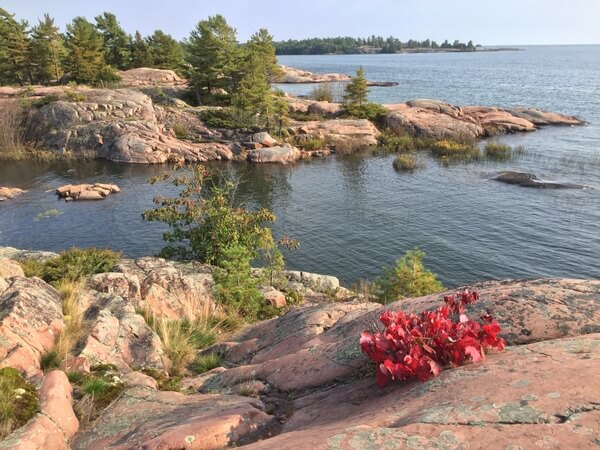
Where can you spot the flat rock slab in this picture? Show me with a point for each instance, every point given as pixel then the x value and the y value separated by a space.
pixel 7 193
pixel 545 394
pixel 96 191
pixel 149 419
pixel 282 154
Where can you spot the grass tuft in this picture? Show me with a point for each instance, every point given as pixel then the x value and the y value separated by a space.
pixel 18 401
pixel 205 363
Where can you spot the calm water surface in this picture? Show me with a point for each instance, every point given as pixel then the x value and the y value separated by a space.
pixel 354 215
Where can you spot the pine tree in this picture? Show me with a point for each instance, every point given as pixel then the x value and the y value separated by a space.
pixel 141 55
pixel 212 54
pixel 14 50
pixel 117 43
pixel 47 51
pixel 356 90
pixel 261 43
pixel 85 59
pixel 165 51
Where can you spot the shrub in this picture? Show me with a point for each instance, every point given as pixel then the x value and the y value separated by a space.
pixel 421 346
pixel 181 131
pixel 371 111
pixel 13 130
pixel 33 267
pixel 405 161
pixel 390 142
pixel 50 360
pixel 323 92
pixel 408 278
pixel 77 263
pixel 312 144
pixel 497 151
pixel 46 100
pixel 177 342
pixel 219 118
pixel 205 363
pixel 96 387
pixel 18 401
pixel 75 96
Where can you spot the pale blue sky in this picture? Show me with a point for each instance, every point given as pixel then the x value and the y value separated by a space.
pixel 488 22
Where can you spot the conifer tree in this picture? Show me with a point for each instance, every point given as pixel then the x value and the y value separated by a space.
pixel 47 51
pixel 141 55
pixel 356 90
pixel 14 50
pixel 212 54
pixel 117 43
pixel 166 52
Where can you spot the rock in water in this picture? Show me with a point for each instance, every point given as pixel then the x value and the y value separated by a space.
pixel 530 180
pixel 97 191
pixel 7 193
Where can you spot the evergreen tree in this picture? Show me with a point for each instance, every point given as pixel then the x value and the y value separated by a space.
pixel 261 43
pixel 356 90
pixel 141 55
pixel 85 59
pixel 47 51
pixel 212 55
pixel 166 52
pixel 14 50
pixel 117 43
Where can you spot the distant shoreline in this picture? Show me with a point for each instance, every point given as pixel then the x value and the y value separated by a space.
pixel 413 50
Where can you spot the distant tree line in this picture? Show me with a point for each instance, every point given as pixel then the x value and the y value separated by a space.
pixel 372 44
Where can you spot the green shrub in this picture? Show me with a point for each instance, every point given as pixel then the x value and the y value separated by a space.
pixel 498 151
pixel 78 263
pixel 33 267
pixel 323 92
pixel 46 100
pixel 455 149
pixel 75 96
pixel 393 143
pixel 18 401
pixel 371 111
pixel 96 387
pixel 50 360
pixel 408 278
pixel 219 118
pixel 181 131
pixel 312 144
pixel 405 161
pixel 205 363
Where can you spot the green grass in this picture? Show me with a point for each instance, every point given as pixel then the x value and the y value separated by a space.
pixel 50 360
pixel 405 162
pixel 96 387
pixel 205 363
pixel 312 144
pixel 454 149
pixel 497 151
pixel 18 401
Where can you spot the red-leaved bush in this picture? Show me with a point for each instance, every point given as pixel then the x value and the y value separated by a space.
pixel 423 345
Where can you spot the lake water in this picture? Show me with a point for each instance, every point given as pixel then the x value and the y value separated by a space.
pixel 354 215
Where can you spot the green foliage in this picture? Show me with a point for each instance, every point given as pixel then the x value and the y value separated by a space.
pixel 205 363
pixel 165 383
pixel 455 149
pixel 371 111
pixel 141 54
pixel 323 92
pixel 15 45
pixel 212 55
pixel 77 263
pixel 96 387
pixel 18 401
pixel 356 91
pixel 205 221
pixel 47 51
pixel 46 100
pixel 405 162
pixel 75 96
pixel 401 144
pixel 165 52
pixel 33 267
pixel 85 54
pixel 312 144
pixel 235 287
pixel 117 43
pixel 219 118
pixel 408 278
pixel 181 131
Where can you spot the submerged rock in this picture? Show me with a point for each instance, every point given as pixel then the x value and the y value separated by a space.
pixel 7 193
pixel 530 180
pixel 97 191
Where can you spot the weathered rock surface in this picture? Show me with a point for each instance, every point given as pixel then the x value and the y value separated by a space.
pixel 144 76
pixel 19 255
pixel 435 119
pixel 10 268
pixel 341 134
pixel 530 180
pixel 283 154
pixel 96 191
pixel 30 320
pixel 145 418
pixel 292 75
pixel 119 125
pixel 264 139
pixel 121 337
pixel 7 193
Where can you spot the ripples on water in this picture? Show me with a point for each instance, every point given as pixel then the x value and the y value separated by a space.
pixel 355 214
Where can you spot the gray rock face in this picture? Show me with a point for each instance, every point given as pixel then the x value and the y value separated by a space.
pixel 530 180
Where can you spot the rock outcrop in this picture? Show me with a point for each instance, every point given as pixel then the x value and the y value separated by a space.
pixel 283 154
pixel 292 75
pixel 96 191
pixel 340 134
pixel 434 119
pixel 7 193
pixel 530 180
pixel 144 76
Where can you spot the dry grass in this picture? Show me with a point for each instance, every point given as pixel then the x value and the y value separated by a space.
pixel 13 131
pixel 73 314
pixel 405 162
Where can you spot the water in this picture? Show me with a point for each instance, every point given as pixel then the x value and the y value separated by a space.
pixel 354 215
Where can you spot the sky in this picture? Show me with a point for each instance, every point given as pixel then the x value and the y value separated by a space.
pixel 486 22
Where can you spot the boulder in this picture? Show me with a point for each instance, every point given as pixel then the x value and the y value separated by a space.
pixel 264 139
pixel 326 109
pixel 56 402
pixel 274 297
pixel 7 193
pixel 19 255
pixel 121 337
pixel 10 268
pixel 341 134
pixel 30 320
pixel 530 180
pixel 283 154
pixel 96 191
pixel 150 419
